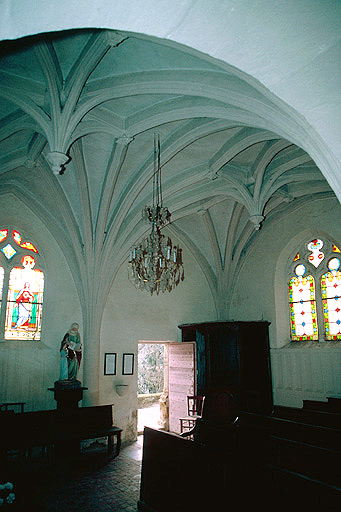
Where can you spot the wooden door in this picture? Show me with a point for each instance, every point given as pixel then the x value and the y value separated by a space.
pixel 181 381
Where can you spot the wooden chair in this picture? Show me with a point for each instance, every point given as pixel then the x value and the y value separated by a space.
pixel 218 415
pixel 195 404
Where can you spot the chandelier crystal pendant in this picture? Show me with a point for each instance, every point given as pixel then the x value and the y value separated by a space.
pixel 154 263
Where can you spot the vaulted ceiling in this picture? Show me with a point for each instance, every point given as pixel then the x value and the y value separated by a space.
pixel 79 111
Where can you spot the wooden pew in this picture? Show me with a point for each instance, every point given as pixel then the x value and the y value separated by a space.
pixel 183 475
pixel 318 435
pixel 325 417
pixel 52 431
pixel 12 406
pixel 290 439
pixel 180 475
pixel 311 450
pixel 89 423
pixel 242 459
pixel 291 490
pixel 21 432
pixel 333 404
pixel 313 461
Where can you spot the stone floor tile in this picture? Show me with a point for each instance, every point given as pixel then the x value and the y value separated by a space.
pixel 89 486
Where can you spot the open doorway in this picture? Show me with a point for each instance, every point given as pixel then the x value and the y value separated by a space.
pixel 152 385
pixel 166 376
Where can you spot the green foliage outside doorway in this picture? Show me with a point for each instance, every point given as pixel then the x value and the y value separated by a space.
pixel 150 368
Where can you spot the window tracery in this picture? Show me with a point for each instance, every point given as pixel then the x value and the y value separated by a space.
pixel 331 299
pixel 22 286
pixel 1 285
pixel 302 302
pixel 315 292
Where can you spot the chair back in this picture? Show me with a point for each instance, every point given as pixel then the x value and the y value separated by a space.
pixel 195 404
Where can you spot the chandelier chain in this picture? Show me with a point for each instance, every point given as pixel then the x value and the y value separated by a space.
pixel 154 263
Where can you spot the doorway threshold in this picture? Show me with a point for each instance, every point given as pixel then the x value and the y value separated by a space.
pixel 148 417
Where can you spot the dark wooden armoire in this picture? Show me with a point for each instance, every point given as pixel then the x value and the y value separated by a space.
pixel 233 356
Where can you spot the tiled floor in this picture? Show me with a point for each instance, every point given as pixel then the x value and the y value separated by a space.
pixel 82 487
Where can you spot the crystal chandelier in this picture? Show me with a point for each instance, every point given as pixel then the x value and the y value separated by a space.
pixel 154 263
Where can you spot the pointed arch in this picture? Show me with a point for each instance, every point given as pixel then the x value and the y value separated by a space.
pixel 23 284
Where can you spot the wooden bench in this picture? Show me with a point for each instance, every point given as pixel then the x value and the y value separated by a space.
pixel 90 423
pixel 318 435
pixel 319 463
pixel 183 475
pixel 51 430
pixel 310 450
pixel 310 416
pixel 333 404
pixel 11 406
pixel 21 432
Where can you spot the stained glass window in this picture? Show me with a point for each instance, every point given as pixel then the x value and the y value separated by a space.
pixel 331 300
pixel 26 245
pixel 17 237
pixel 24 302
pixel 3 234
pixel 315 312
pixel 9 251
pixel 1 284
pixel 302 302
pixel 316 256
pixel 24 286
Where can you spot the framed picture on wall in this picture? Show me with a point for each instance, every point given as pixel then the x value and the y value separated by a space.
pixel 128 364
pixel 110 363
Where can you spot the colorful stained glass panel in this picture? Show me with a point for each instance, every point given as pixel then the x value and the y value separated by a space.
pixel 9 251
pixel 303 317
pixel 334 264
pixel 17 237
pixel 331 299
pixel 28 245
pixel 24 304
pixel 316 255
pixel 3 234
pixel 1 284
pixel 28 262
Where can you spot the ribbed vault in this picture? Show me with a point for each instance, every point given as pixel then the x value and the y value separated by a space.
pixel 78 113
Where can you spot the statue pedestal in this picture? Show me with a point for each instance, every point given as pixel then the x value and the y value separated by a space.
pixel 67 395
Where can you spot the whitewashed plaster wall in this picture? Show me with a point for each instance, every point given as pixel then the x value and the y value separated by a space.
pixel 29 368
pixel 133 315
pixel 299 370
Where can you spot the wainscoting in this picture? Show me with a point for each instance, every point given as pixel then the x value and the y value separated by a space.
pixel 307 372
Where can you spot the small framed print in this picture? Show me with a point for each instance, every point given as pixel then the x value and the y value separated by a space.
pixel 128 364
pixel 110 363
